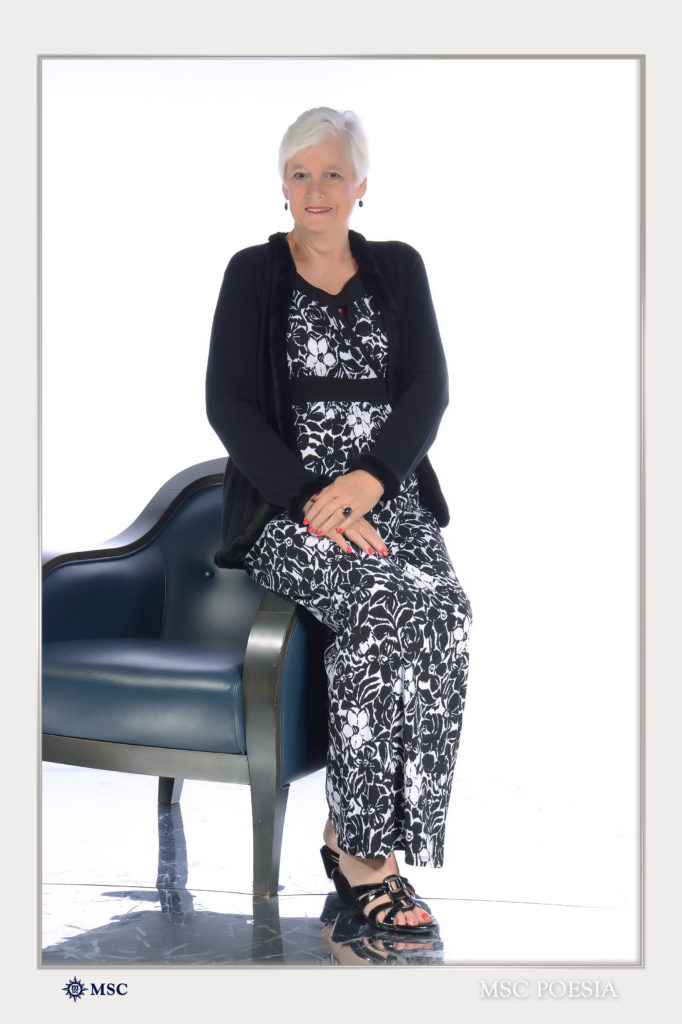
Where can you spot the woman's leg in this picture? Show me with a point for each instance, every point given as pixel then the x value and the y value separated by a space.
pixel 320 576
pixel 441 667
pixel 397 669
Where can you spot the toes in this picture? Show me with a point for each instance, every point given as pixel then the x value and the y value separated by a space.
pixel 421 918
pixel 409 918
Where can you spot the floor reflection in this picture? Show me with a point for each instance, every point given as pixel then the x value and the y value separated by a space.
pixel 349 941
pixel 125 882
pixel 175 930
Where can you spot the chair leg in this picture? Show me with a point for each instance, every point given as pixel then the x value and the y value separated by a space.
pixel 169 791
pixel 266 937
pixel 268 807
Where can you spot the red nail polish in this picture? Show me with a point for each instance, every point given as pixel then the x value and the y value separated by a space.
pixel 425 916
pixel 370 551
pixel 310 530
pixel 305 522
pixel 339 529
pixel 320 532
pixel 349 550
pixel 384 551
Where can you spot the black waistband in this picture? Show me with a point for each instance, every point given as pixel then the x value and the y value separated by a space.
pixel 338 389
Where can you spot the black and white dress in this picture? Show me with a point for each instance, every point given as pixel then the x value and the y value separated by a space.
pixel 397 662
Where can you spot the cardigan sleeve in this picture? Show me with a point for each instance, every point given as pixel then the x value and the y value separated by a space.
pixel 255 447
pixel 412 425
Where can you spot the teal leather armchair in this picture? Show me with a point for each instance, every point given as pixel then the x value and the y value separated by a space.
pixel 157 662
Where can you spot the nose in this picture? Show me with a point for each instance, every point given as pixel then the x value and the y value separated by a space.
pixel 316 188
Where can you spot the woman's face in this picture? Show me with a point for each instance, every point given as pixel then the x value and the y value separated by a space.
pixel 321 188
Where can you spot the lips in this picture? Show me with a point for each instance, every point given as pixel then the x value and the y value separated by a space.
pixel 317 209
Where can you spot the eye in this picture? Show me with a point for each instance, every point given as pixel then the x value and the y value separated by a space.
pixel 334 174
pixel 298 175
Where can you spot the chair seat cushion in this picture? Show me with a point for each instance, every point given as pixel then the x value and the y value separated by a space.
pixel 154 692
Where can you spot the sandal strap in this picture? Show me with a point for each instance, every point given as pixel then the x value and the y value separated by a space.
pixel 360 896
pixel 387 909
pixel 398 900
pixel 390 886
pixel 391 912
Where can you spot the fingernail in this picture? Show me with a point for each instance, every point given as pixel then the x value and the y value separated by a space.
pixel 310 530
pixel 305 522
pixel 339 529
pixel 320 532
pixel 349 549
pixel 370 551
pixel 384 551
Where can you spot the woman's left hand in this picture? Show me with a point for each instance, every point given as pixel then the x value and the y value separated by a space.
pixel 358 490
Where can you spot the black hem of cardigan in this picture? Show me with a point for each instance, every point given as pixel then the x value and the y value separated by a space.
pixel 310 487
pixel 231 556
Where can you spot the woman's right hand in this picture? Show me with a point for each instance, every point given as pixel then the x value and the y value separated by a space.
pixel 361 533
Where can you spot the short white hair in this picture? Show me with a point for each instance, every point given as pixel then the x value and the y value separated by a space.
pixel 315 126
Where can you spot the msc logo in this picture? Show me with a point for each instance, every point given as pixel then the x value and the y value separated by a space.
pixel 75 989
pixel 109 989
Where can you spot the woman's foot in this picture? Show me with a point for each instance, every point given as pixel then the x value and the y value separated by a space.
pixel 360 871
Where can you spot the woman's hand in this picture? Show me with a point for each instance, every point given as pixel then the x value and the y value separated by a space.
pixel 324 516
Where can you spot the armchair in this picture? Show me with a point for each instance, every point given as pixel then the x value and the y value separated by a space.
pixel 156 662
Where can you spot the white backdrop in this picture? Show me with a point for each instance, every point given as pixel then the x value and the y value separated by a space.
pixel 518 182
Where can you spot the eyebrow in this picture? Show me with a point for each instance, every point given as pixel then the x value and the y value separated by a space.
pixel 302 167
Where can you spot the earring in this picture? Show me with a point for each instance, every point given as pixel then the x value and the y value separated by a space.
pixel 286 206
pixel 360 202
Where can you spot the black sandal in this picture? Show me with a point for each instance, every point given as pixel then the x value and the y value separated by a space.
pixel 357 897
pixel 330 859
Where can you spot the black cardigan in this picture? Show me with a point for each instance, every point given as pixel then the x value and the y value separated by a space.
pixel 248 393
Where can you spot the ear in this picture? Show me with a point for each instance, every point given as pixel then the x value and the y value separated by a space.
pixel 285 192
pixel 362 188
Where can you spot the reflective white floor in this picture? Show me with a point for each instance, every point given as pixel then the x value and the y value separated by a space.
pixel 125 884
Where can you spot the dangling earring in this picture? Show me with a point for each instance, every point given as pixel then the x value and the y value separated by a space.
pixel 286 206
pixel 359 202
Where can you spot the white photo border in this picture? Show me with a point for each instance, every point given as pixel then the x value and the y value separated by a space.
pixel 641 31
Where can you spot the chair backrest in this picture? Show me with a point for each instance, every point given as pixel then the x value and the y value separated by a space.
pixel 203 604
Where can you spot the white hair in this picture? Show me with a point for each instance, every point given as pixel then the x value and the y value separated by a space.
pixel 317 125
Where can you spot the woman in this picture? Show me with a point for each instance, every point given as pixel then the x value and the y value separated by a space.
pixel 326 383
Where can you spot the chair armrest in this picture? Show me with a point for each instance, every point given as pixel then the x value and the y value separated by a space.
pixel 284 692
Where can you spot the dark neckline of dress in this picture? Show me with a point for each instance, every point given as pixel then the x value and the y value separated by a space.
pixel 352 289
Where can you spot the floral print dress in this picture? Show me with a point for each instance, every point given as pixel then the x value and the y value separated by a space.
pixel 397 661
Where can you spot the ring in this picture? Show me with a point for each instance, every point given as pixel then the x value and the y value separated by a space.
pixel 347 510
